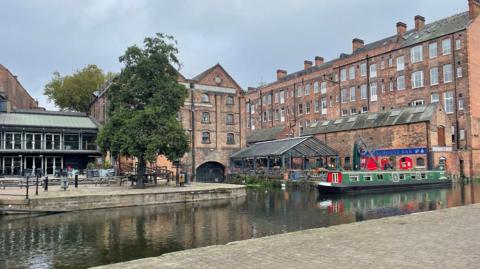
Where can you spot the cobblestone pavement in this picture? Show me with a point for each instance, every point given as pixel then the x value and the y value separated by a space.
pixel 448 238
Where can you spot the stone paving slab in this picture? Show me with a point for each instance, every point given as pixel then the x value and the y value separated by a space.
pixel 448 238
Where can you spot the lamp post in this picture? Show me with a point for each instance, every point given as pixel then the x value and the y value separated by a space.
pixel 192 111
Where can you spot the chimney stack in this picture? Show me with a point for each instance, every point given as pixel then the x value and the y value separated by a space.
pixel 318 60
pixel 357 44
pixel 281 74
pixel 307 64
pixel 474 8
pixel 419 22
pixel 401 28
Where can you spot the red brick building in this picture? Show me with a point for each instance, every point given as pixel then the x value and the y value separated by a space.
pixel 216 104
pixel 430 63
pixel 12 93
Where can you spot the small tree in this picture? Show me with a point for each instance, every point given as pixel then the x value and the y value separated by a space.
pixel 144 102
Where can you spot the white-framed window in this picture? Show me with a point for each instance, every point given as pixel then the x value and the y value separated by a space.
pixel 417 79
pixel 434 98
pixel 433 50
pixel 390 61
pixel 416 54
pixel 307 89
pixel 459 72
pixel 447 73
pixel 461 104
pixel 300 109
pixel 418 102
pixel 282 114
pixel 446 46
pixel 277 97
pixel 344 96
pixel 458 44
pixel 324 106
pixel 449 102
pixel 373 92
pixel 401 83
pixel 390 86
pixel 363 69
pixel 400 63
pixel 282 96
pixel 323 87
pixel 277 114
pixel 364 109
pixel 352 94
pixel 351 72
pixel 315 87
pixel 373 70
pixel 299 91
pixel 344 112
pixel 316 105
pixel 462 134
pixel 363 92
pixel 343 74
pixel 434 76
pixel 307 107
pixel 382 65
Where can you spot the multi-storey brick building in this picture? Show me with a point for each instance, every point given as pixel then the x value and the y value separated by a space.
pixel 12 93
pixel 213 118
pixel 429 63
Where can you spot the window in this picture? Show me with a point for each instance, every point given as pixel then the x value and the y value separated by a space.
pixel 264 117
pixel 461 104
pixel 363 69
pixel 33 141
pixel 390 61
pixel 315 87
pixel 390 86
pixel 299 91
pixel 347 162
pixel 354 178
pixel 417 79
pixel 364 109
pixel 363 92
pixel 373 92
pixel 344 112
pixel 447 73
pixel 282 97
pixel 353 111
pixel 316 105
pixel 277 97
pixel 344 96
pixel 352 94
pixel 230 139
pixel 416 54
pixel 459 72
pixel 351 72
pixel 420 162
pixel 230 100
pixel 277 114
pixel 229 119
pixel 419 102
pixel 458 44
pixel 383 87
pixel 400 63
pixel 205 98
pixel 307 108
pixel 300 109
pixel 323 87
pixel 446 47
pixel 373 70
pixel 432 50
pixel 382 65
pixel 453 133
pixel 205 117
pixel 401 83
pixel 206 138
pixel 324 106
pixel 343 74
pixel 448 97
pixel 367 178
pixel 462 134
pixel 307 89
pixel 434 76
pixel 282 114
pixel 270 115
pixel 269 98
pixel 71 141
pixel 434 98
pixel 52 141
pixel 13 140
pixel 89 142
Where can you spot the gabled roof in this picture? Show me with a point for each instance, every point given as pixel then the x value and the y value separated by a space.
pixel 298 147
pixel 46 119
pixel 202 75
pixel 405 115
pixel 267 134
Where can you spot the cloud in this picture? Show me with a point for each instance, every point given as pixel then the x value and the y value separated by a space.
pixel 251 39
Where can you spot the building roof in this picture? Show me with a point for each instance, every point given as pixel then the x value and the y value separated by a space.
pixel 209 70
pixel 299 147
pixel 405 115
pixel 47 120
pixel 267 134
pixel 430 31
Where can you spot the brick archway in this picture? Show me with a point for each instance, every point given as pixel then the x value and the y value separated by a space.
pixel 210 172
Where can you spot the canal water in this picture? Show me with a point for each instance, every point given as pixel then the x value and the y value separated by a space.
pixel 89 238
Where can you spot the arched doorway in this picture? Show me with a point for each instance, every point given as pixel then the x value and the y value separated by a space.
pixel 210 172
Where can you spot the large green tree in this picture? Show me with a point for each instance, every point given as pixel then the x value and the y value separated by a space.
pixel 144 102
pixel 74 92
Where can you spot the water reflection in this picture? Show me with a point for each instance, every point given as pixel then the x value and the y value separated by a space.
pixel 83 239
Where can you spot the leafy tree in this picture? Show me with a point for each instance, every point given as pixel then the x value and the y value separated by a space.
pixel 74 92
pixel 144 100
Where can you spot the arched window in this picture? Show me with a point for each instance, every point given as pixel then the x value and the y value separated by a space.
pixel 230 138
pixel 420 162
pixel 205 117
pixel 205 98
pixel 230 100
pixel 206 137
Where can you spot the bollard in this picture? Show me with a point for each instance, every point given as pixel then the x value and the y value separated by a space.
pixel 46 183
pixel 36 185
pixel 76 181
pixel 27 188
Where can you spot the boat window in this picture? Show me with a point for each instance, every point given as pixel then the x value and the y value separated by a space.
pixel 380 176
pixel 395 177
pixel 354 178
pixel 368 178
pixel 402 176
pixel 423 175
pixel 413 176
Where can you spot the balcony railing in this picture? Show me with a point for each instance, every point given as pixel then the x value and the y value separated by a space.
pixel 42 145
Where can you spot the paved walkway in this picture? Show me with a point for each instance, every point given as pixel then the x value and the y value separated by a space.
pixel 448 238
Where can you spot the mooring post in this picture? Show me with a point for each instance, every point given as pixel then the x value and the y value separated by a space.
pixel 76 181
pixel 36 185
pixel 46 183
pixel 27 189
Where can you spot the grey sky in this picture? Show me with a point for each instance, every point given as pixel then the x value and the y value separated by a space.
pixel 251 39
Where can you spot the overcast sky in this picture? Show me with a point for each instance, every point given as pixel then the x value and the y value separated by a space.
pixel 251 39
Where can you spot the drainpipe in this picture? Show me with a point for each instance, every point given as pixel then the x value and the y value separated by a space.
pixel 192 119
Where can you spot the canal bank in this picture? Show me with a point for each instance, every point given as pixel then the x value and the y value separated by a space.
pixel 446 238
pixel 99 197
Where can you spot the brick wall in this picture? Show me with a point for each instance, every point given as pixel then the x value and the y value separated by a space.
pixel 18 97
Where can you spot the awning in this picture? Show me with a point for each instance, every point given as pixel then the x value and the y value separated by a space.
pixel 298 147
